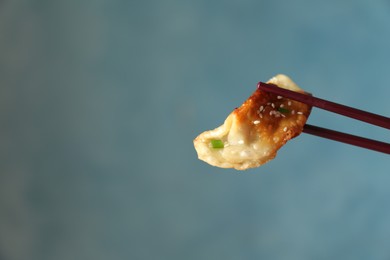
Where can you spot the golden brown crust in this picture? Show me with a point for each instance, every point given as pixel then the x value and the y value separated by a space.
pixel 254 132
pixel 276 114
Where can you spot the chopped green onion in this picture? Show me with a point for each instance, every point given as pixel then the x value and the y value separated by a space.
pixel 283 110
pixel 216 143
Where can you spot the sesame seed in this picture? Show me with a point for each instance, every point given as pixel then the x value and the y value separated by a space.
pixel 273 105
pixel 289 103
pixel 285 129
pixel 281 105
pixel 293 112
pixel 261 108
pixel 283 115
pixel 299 113
pixel 261 116
pixel 256 122
pixel 273 112
pixel 279 97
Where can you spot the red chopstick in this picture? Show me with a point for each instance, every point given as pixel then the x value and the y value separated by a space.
pixel 347 138
pixel 358 114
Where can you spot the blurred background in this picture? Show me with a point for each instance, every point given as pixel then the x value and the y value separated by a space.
pixel 100 101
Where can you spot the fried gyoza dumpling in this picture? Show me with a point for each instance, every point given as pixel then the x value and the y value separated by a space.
pixel 253 133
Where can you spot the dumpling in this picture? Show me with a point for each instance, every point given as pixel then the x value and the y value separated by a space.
pixel 253 133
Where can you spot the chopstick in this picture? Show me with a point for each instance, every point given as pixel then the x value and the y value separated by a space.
pixel 347 138
pixel 358 114
pixel 351 112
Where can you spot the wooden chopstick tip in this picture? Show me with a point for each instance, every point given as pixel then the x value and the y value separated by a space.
pixel 261 85
pixel 273 88
pixel 266 86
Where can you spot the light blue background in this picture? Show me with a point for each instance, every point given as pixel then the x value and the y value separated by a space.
pixel 100 101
